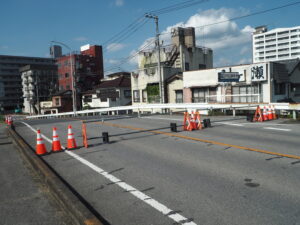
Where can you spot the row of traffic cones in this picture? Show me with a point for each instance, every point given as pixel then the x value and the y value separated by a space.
pixel 268 113
pixel 192 122
pixel 56 145
pixel 8 120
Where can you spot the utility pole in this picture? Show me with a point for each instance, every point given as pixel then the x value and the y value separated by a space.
pixel 161 78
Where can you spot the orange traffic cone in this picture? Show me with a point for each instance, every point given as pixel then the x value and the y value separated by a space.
pixel 56 146
pixel 265 114
pixel 193 121
pixel 187 125
pixel 258 116
pixel 274 113
pixel 71 139
pixel 40 146
pixel 270 115
pixel 9 120
pixel 198 121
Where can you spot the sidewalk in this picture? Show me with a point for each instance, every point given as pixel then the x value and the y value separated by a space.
pixel 23 199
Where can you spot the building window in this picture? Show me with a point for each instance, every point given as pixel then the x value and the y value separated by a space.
pixel 198 95
pixel 87 98
pixel 179 96
pixel 57 103
pixel 144 95
pixel 67 87
pixel 136 96
pixel 245 94
pixel 127 93
pixel 279 88
pixel 187 66
pixel 66 75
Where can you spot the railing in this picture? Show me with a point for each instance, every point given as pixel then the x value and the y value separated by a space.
pixel 182 106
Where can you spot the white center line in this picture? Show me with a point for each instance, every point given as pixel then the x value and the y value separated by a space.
pixel 130 189
pixel 275 128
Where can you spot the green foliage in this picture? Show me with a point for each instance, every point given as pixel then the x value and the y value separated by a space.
pixel 152 90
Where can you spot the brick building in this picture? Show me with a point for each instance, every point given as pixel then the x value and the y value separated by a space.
pixel 86 65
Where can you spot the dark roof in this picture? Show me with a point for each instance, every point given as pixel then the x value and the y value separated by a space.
pixel 38 67
pixel 177 76
pixel 89 92
pixel 118 82
pixel 61 93
pixel 118 74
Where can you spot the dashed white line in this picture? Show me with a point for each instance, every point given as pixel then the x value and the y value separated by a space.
pixel 130 189
pixel 275 128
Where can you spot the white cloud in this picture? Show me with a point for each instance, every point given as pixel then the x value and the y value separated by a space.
pixel 113 47
pixel 214 29
pixel 81 39
pixel 4 47
pixel 119 3
pixel 112 61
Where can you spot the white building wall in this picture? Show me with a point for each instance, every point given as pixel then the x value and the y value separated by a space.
pixel 276 44
pixel 209 78
pixel 172 87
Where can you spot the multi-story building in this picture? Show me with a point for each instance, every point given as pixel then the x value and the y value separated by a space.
pixel 182 55
pixel 276 44
pixel 252 83
pixel 87 66
pixel 10 79
pixel 39 83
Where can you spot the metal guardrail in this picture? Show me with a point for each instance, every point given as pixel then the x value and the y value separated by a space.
pixel 170 106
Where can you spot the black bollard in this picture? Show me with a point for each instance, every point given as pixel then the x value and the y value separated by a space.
pixel 173 127
pixel 205 123
pixel 250 117
pixel 105 137
pixel 208 122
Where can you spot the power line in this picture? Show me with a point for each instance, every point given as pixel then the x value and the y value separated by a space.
pixel 140 21
pixel 241 17
pixel 124 60
pixel 164 10
pixel 177 6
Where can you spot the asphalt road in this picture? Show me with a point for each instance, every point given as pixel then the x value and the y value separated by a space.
pixel 148 175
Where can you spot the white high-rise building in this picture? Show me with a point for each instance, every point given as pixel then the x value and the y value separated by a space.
pixel 276 44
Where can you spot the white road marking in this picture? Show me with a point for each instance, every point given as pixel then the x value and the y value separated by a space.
pixel 275 128
pixel 231 124
pixel 160 118
pixel 130 189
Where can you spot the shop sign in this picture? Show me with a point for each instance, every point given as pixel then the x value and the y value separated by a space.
pixel 258 72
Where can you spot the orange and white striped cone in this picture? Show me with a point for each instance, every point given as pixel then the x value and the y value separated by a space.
pixel 265 114
pixel 8 121
pixel 40 146
pixel 270 115
pixel 71 139
pixel 56 146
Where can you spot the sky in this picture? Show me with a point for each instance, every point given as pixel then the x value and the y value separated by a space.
pixel 29 26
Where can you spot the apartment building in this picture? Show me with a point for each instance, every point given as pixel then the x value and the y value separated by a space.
pixel 11 95
pixel 86 65
pixel 39 82
pixel 276 44
pixel 182 55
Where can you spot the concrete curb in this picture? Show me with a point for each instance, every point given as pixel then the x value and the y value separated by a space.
pixel 78 210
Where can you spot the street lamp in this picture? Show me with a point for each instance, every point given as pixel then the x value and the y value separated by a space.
pixel 72 75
